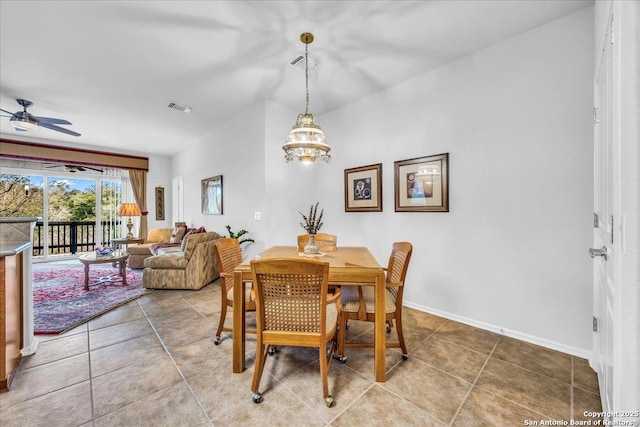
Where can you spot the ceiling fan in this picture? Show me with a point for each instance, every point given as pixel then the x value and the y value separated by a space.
pixel 23 121
pixel 76 168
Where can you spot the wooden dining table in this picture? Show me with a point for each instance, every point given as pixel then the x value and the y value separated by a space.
pixel 348 266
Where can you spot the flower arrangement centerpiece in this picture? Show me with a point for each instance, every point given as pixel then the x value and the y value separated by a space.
pixel 312 224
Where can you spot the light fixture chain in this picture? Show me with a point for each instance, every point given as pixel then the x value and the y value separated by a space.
pixel 306 74
pixel 306 141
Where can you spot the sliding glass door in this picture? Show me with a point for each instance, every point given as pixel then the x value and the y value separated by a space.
pixel 79 211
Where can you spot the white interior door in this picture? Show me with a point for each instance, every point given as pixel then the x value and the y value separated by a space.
pixel 603 237
pixel 178 199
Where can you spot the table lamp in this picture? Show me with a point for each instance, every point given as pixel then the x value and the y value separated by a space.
pixel 129 210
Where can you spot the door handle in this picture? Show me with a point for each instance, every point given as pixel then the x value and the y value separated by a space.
pixel 598 252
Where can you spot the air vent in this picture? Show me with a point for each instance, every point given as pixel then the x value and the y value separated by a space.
pixel 298 59
pixel 182 108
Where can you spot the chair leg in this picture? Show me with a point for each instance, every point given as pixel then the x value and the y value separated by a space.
pixel 261 356
pixel 342 333
pixel 403 346
pixel 223 315
pixel 324 370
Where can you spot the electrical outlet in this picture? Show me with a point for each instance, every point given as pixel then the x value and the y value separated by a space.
pixel 256 216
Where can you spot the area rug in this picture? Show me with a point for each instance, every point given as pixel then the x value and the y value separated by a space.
pixel 60 302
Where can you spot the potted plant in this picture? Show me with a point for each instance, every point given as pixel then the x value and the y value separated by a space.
pixel 240 235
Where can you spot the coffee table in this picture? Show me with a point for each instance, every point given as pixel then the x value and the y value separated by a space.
pixel 119 257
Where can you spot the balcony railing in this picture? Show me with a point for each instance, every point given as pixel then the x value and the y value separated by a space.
pixel 70 237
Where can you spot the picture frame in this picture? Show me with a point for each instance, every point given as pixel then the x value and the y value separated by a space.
pixel 159 204
pixel 211 195
pixel 422 184
pixel 363 189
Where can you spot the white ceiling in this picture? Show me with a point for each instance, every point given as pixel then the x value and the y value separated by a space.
pixel 112 67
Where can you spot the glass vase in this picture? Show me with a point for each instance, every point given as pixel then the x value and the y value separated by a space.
pixel 311 248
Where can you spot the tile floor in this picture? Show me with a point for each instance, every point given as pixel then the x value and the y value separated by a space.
pixel 152 362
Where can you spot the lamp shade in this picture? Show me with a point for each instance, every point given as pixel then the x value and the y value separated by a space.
pixel 129 209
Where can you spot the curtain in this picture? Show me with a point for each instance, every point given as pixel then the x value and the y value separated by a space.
pixel 139 186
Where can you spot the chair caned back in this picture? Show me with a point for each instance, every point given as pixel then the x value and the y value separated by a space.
pixel 291 295
pixel 325 242
pixel 229 255
pixel 399 263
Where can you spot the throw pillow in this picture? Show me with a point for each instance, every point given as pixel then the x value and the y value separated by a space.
pixel 196 230
pixel 177 234
pixel 184 241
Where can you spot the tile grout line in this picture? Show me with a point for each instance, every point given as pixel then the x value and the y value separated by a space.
pixel 93 409
pixel 374 383
pixel 349 405
pixel 407 402
pixel 502 397
pixel 475 381
pixel 184 380
pixel 571 391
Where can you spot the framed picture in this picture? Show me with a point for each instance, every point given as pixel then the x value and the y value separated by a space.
pixel 211 191
pixel 422 184
pixel 363 189
pixel 159 203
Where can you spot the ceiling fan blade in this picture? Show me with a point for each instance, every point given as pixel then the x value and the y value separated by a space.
pixel 51 121
pixel 59 129
pixel 5 111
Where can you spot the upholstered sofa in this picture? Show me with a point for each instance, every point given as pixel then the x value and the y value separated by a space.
pixel 191 267
pixel 138 253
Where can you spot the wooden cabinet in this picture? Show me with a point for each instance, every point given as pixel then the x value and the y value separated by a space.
pixel 11 334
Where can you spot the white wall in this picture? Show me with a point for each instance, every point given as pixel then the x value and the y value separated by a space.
pixel 159 176
pixel 235 151
pixel 516 120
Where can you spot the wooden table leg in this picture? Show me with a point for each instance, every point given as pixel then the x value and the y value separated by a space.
pixel 238 323
pixel 380 329
pixel 86 277
pixel 123 271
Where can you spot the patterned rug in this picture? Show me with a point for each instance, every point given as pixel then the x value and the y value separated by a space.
pixel 60 302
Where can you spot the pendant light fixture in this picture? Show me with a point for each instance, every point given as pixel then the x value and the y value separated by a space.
pixel 306 141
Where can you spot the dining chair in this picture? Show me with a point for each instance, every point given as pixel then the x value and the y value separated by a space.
pixel 358 302
pixel 325 242
pixel 229 255
pixel 293 309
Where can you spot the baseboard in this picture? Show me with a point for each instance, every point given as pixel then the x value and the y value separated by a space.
pixel 553 345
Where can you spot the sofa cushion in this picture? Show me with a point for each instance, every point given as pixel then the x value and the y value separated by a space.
pixel 170 250
pixel 159 235
pixel 185 239
pixel 172 260
pixel 156 247
pixel 194 239
pixel 189 232
pixel 177 234
pixel 144 249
